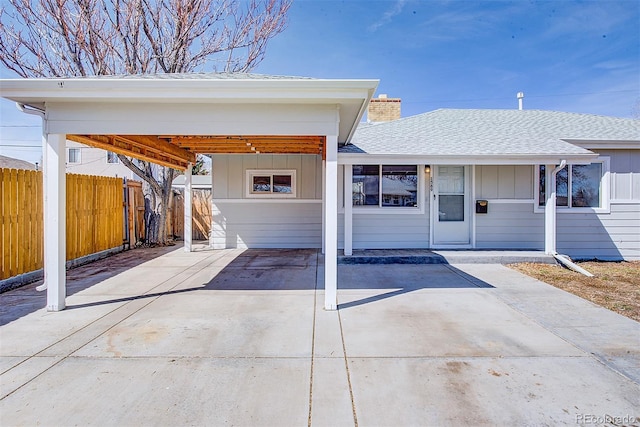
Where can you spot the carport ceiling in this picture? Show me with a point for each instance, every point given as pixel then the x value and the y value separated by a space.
pixel 177 151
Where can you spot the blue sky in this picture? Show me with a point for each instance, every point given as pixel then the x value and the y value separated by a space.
pixel 577 56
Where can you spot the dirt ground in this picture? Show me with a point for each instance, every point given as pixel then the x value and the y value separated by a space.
pixel 615 285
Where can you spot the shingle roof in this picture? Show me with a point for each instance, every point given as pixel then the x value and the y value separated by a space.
pixel 450 132
pixel 11 163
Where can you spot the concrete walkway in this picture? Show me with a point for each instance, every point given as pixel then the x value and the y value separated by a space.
pixel 240 338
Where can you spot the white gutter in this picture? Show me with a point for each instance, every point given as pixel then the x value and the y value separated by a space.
pixel 558 168
pixel 29 109
pixel 550 207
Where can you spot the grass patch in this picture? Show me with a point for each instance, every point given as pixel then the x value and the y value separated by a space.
pixel 615 285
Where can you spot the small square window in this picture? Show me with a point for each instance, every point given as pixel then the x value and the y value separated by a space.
pixel 73 155
pixel 271 183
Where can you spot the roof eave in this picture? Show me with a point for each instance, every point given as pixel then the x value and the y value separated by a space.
pixel 484 159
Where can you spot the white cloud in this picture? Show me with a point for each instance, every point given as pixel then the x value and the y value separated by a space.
pixel 387 16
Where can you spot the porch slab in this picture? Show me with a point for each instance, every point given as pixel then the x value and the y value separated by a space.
pixel 234 337
pixel 424 256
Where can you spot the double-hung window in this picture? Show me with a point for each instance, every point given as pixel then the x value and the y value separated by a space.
pixel 577 186
pixel 271 183
pixel 385 185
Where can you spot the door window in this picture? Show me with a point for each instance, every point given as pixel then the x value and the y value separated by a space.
pixel 451 193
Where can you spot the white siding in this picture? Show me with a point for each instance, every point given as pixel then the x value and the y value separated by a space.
pixel 611 236
pixel 266 224
pixel 510 226
pixel 241 222
pixel 386 231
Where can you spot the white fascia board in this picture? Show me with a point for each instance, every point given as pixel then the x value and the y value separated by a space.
pixel 198 90
pixel 610 144
pixel 358 159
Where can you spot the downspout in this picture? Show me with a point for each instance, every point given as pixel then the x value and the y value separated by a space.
pixel 550 207
pixel 562 259
pixel 29 109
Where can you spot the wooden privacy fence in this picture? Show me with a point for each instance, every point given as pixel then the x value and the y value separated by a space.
pixel 95 218
pixel 200 211
pixel 21 228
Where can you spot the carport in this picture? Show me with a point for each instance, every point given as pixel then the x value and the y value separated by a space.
pixel 168 119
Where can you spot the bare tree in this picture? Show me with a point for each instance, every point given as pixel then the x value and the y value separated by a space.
pixel 65 38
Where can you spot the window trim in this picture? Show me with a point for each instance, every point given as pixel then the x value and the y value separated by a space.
pixel 79 155
pixel 250 173
pixel 604 191
pixel 419 209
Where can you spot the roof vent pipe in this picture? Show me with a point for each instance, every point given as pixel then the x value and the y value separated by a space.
pixel 520 96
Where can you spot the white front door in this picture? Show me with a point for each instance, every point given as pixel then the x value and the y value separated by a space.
pixel 451 213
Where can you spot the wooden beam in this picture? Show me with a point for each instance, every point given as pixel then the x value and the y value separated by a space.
pixel 159 146
pixel 203 144
pixel 112 143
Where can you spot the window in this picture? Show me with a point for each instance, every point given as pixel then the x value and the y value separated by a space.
pixel 112 157
pixel 271 183
pixel 73 155
pixel 451 193
pixel 577 186
pixel 385 185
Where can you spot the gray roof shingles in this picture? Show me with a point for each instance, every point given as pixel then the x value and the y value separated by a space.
pixel 454 132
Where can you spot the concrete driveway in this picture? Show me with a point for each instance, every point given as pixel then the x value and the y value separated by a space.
pixel 240 338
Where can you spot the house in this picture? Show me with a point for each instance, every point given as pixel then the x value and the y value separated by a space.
pixel 287 152
pixel 499 158
pixel 87 160
pixel 11 163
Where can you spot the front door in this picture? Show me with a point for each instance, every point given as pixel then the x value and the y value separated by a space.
pixel 451 218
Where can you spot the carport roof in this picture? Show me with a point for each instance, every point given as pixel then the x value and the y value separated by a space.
pixel 350 98
pixel 491 134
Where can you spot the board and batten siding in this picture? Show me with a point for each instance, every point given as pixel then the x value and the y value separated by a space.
pixel 241 222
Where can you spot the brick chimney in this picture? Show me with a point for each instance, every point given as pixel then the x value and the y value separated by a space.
pixel 383 109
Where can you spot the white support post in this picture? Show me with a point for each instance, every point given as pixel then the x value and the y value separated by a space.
pixel 324 202
pixel 331 225
pixel 550 210
pixel 213 205
pixel 55 243
pixel 188 209
pixel 348 210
